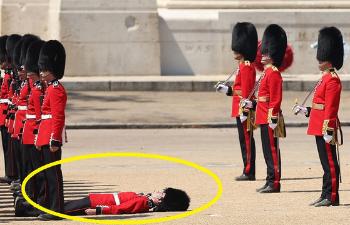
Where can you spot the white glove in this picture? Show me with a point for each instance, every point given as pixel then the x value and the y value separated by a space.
pixel 300 109
pixel 243 118
pixel 327 138
pixel 222 88
pixel 272 125
pixel 246 103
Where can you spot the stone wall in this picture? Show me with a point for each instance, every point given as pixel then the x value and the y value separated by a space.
pixel 102 37
pixel 168 37
pixel 196 37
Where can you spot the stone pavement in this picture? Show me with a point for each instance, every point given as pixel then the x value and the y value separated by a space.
pixel 101 110
pixel 215 149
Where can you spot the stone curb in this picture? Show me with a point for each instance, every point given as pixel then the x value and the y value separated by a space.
pixel 78 126
pixel 192 86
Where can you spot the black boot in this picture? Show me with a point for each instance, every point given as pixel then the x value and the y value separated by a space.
pixel 262 188
pixel 316 201
pixel 326 202
pixel 270 189
pixel 47 217
pixel 244 177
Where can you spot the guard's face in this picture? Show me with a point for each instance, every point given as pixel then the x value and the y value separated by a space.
pixel 324 65
pixel 237 55
pixel 22 73
pixel 158 196
pixel 265 59
pixel 46 76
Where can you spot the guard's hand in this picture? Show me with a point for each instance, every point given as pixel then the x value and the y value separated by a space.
pixel 300 109
pixel 243 117
pixel 246 103
pixel 273 123
pixel 54 148
pixel 327 138
pixel 222 88
pixel 90 211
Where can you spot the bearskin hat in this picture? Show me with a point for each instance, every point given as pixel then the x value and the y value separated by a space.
pixel 174 200
pixel 16 56
pixel 11 44
pixel 330 46
pixel 3 40
pixel 53 58
pixel 26 41
pixel 274 44
pixel 32 56
pixel 245 40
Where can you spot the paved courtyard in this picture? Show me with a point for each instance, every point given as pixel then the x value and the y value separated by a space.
pixel 216 149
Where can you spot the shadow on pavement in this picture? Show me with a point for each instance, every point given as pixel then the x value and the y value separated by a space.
pixel 72 189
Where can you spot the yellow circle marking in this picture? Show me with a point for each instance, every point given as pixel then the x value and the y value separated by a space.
pixel 127 154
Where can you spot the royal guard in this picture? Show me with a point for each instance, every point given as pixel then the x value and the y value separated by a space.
pixel 7 93
pixel 10 174
pixel 324 122
pixel 22 100
pixel 50 134
pixel 268 109
pixel 244 47
pixel 31 125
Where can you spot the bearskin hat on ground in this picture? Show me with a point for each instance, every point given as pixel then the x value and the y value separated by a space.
pixel 174 200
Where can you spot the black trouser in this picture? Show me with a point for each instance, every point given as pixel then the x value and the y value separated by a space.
pixel 10 159
pixel 18 156
pixel 4 141
pixel 272 156
pixel 53 179
pixel 247 143
pixel 77 207
pixel 328 158
pixel 35 188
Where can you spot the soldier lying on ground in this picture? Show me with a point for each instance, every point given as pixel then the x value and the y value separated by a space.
pixel 169 199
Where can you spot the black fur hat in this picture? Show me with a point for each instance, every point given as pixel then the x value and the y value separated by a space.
pixel 245 40
pixel 174 200
pixel 3 40
pixel 274 44
pixel 32 56
pixel 11 44
pixel 26 41
pixel 330 46
pixel 53 58
pixel 16 56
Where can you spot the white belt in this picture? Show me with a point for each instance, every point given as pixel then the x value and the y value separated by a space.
pixel 30 116
pixel 45 117
pixel 5 100
pixel 22 107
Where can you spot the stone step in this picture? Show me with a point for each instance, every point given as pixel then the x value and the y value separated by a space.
pixel 277 4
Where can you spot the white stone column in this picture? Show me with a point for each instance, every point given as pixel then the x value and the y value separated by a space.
pixel 107 37
pixel 24 16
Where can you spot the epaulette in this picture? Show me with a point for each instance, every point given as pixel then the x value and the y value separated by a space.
pixel 334 74
pixel 274 68
pixel 38 85
pixel 55 83
pixel 247 63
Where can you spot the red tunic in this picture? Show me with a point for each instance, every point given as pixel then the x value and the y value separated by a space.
pixel 13 98
pixel 243 85
pixel 120 203
pixel 327 94
pixel 4 95
pixel 21 108
pixel 269 96
pixel 33 115
pixel 53 114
